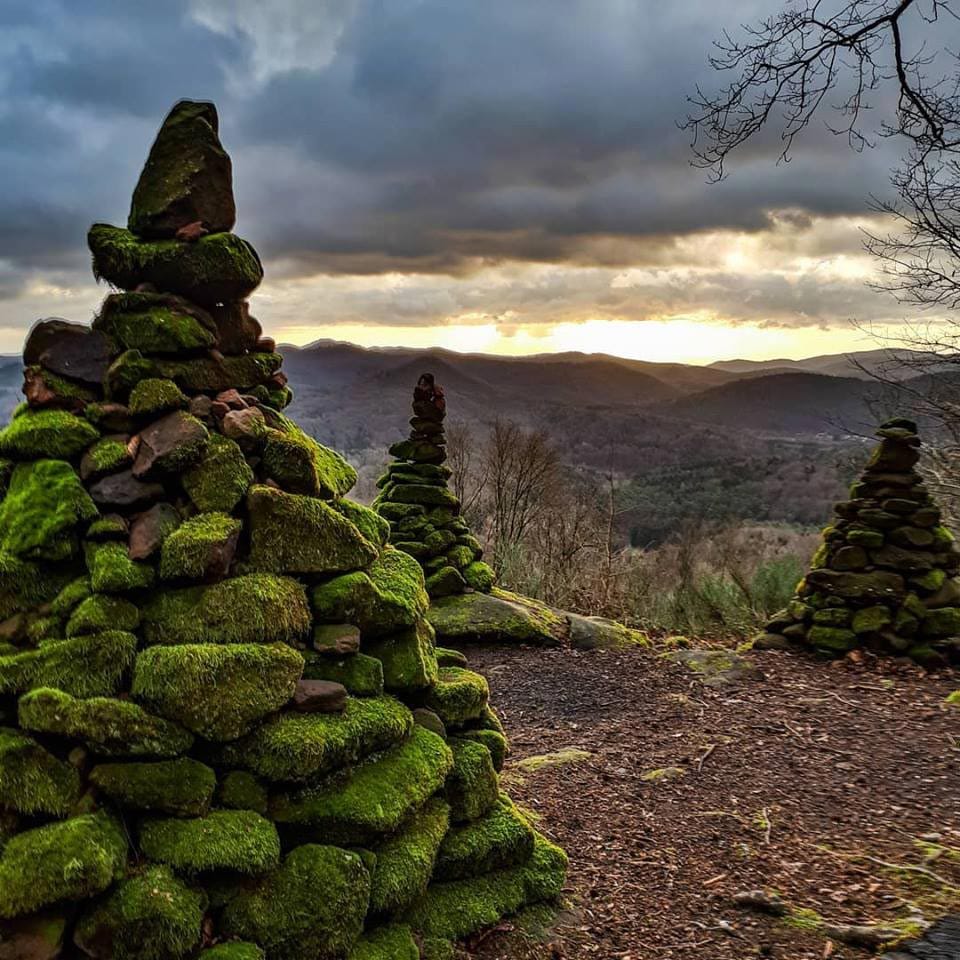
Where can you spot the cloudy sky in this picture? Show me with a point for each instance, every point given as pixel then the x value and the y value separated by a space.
pixel 504 175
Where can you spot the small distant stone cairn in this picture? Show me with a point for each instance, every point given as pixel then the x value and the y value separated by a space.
pixel 225 730
pixel 885 576
pixel 424 514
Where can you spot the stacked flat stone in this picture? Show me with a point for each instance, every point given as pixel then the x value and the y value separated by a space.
pixel 225 730
pixel 885 576
pixel 424 514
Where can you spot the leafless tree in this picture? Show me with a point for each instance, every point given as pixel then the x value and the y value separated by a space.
pixel 469 468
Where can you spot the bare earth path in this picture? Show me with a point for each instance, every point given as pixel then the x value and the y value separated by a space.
pixel 789 783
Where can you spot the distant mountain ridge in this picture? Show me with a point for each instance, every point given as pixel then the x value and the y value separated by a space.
pixel 861 365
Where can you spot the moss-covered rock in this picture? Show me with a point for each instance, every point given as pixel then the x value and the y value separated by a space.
pixel 33 780
pixel 235 950
pixel 456 909
pixel 386 597
pixel 201 548
pixel 493 740
pixel 43 510
pixel 393 942
pixel 181 788
pixel 153 324
pixel 831 639
pixel 944 622
pixel 303 746
pixel 70 860
pixel 405 861
pixel 73 594
pixel 324 542
pixel 409 663
pixel 221 478
pixel 88 666
pixel 112 571
pixel 301 465
pixel 154 396
pixel 501 838
pixel 495 617
pixel 108 455
pixel 472 787
pixel 216 268
pixel 313 905
pixel 38 434
pixel 125 372
pixel 360 674
pixel 153 916
pixel 219 691
pixel 206 375
pixel 258 608
pixel 479 576
pixel 239 840
pixel 373 799
pixel 241 790
pixel 99 613
pixel 113 728
pixel 458 696
pixel 367 521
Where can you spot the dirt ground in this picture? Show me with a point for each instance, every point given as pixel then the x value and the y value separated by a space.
pixel 834 785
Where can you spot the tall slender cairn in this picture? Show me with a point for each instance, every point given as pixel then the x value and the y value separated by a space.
pixel 224 728
pixel 885 576
pixel 424 514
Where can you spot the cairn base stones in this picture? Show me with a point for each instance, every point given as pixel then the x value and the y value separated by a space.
pixel 885 576
pixel 214 669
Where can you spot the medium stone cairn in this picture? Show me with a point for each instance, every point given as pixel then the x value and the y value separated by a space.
pixel 885 576
pixel 225 730
pixel 424 514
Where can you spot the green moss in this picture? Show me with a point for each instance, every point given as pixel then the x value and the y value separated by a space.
pixel 89 666
pixel 33 780
pixel 495 742
pixel 405 862
pixel 871 619
pixel 41 629
pixel 126 371
pixel 360 674
pixel 105 456
pixel 458 908
pixel 154 396
pixel 409 664
pixel 221 478
pixel 215 269
pixel 367 521
pixel 313 905
pixel 301 746
pixel 394 942
pixel 325 542
pixel 110 527
pixel 236 950
pixel 109 727
pixel 301 465
pixel 153 916
pixel 372 799
pixel 445 582
pixel 260 608
pixel 69 860
pixel 217 691
pixel 187 551
pixel 400 511
pixel 943 622
pixel 953 699
pixel 832 639
pixel 36 434
pixel 156 328
pixel 182 788
pixel 458 696
pixel 449 658
pixel 423 493
pixel 437 948
pixel 241 790
pixel 205 375
pixel 479 576
pixel 99 612
pixel 931 581
pixel 112 571
pixel 238 840
pixel 42 511
pixel 388 596
pixel 472 787
pixel 24 585
pixel 502 838
pixel 497 617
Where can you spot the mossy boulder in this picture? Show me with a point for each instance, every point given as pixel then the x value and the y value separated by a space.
pixel 113 728
pixel 292 533
pixel 367 521
pixel 33 780
pixel 944 622
pixel 493 740
pixel 153 397
pixel 238 840
pixel 99 613
pixel 301 465
pixel 298 747
pixel 70 597
pixel 479 576
pixel 219 691
pixel 108 455
pixel 386 597
pixel 153 324
pixel 458 696
pixel 43 511
pixel 37 434
pixel 373 799
pixel 241 790
pixel 219 481
pixel 497 617
pixel 153 916
pixel 235 950
pixel 201 548
pixel 69 860
pixel 206 375
pixel 393 942
pixel 871 619
pixel 112 571
pixel 360 674
pixel 181 788
pixel 216 268
pixel 313 905
pixel 425 494
pixel 258 608
pixel 472 787
pixel 831 639
pixel 445 582
pixel 409 663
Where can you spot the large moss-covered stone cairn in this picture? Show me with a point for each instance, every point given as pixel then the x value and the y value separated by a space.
pixel 885 576
pixel 423 512
pixel 225 730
